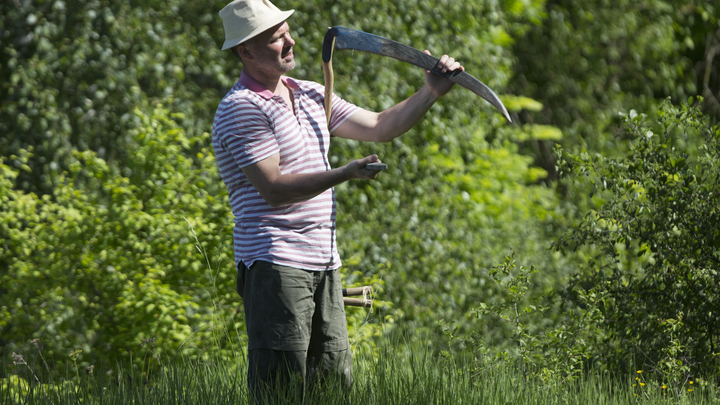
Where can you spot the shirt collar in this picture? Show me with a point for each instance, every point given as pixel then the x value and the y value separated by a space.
pixel 255 86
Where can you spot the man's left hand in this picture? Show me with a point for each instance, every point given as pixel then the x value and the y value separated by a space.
pixel 439 86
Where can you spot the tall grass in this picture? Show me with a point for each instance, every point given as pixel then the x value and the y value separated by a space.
pixel 392 377
pixel 400 372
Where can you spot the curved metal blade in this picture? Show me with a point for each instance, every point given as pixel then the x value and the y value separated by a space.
pixel 346 38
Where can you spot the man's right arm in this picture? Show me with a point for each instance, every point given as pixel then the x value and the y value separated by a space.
pixel 254 149
pixel 279 189
pixel 389 124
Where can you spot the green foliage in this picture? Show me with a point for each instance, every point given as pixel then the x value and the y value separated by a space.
pixel 116 231
pixel 557 353
pixel 440 216
pixel 117 269
pixel 73 72
pixel 124 211
pixel 589 59
pixel 657 253
pixel 516 287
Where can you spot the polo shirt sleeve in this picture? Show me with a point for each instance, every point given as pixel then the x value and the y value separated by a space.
pixel 341 111
pixel 246 133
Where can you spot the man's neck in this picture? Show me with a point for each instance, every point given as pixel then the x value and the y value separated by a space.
pixel 272 83
pixel 275 85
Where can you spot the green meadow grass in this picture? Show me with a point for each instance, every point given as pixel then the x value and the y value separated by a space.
pixel 393 377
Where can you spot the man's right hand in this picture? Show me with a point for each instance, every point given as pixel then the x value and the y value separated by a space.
pixel 358 170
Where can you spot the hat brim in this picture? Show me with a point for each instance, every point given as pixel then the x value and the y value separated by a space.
pixel 277 19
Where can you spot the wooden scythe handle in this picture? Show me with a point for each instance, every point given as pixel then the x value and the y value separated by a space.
pixel 357 302
pixel 351 292
pixel 365 301
pixel 329 80
pixel 327 54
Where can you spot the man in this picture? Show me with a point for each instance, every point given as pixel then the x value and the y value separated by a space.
pixel 271 140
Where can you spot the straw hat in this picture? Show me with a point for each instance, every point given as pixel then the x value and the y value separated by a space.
pixel 244 19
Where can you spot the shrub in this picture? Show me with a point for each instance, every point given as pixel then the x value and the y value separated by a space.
pixel 113 271
pixel 655 241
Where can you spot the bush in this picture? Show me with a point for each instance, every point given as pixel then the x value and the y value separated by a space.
pixel 110 271
pixel 655 242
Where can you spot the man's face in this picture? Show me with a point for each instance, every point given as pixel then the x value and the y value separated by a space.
pixel 272 50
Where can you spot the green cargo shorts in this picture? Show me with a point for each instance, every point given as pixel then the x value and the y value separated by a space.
pixel 289 309
pixel 294 319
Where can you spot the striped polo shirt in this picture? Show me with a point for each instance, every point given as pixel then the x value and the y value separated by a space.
pixel 252 124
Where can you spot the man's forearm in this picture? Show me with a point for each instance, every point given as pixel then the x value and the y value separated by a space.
pixel 399 118
pixel 279 189
pixel 293 188
pixel 389 124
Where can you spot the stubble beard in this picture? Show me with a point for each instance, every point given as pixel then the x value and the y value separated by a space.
pixel 284 66
pixel 279 66
pixel 270 67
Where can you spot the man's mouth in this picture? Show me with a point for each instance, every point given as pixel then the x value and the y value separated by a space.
pixel 288 54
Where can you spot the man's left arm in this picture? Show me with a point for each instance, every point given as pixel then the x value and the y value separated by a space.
pixel 387 125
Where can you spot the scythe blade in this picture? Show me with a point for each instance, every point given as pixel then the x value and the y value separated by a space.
pixel 346 38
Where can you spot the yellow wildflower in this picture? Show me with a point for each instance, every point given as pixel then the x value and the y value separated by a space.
pixel 642 384
pixel 639 371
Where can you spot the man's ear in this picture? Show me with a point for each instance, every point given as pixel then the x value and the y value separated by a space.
pixel 244 52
